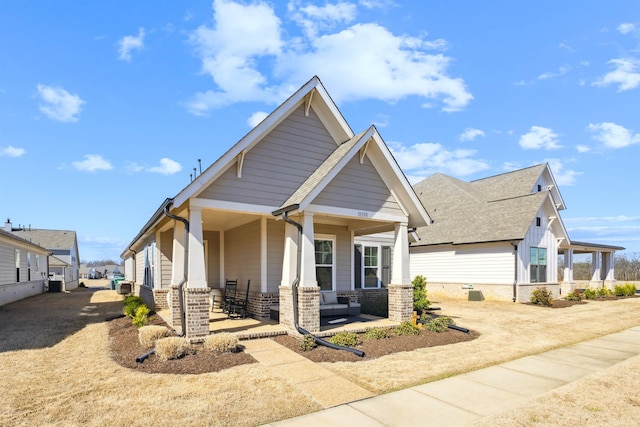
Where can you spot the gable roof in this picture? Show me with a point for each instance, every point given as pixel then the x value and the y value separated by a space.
pixel 5 235
pixel 492 209
pixel 50 239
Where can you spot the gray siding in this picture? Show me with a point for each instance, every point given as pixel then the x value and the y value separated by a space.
pixel 166 255
pixel 140 267
pixel 242 255
pixel 213 258
pixel 275 254
pixel 277 165
pixel 358 186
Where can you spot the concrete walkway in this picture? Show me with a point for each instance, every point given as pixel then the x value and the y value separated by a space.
pixel 466 398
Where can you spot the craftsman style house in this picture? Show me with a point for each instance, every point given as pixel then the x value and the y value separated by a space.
pixel 281 212
pixel 501 235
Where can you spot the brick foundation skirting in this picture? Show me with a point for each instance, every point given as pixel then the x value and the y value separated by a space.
pixel 197 313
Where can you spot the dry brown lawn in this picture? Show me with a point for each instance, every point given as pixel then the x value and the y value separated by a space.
pixel 58 372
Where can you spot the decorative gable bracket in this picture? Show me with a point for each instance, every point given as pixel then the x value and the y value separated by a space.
pixel 307 103
pixel 551 219
pixel 363 151
pixel 240 163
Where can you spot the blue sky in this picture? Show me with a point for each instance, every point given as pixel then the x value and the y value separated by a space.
pixel 106 107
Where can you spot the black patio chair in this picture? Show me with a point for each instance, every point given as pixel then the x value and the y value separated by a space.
pixel 238 307
pixel 230 289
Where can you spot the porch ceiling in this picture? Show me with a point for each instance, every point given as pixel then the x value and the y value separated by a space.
pixel 217 220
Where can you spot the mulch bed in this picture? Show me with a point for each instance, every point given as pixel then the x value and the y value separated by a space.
pixel 378 348
pixel 563 303
pixel 125 348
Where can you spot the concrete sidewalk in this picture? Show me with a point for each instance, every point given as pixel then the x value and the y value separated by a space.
pixel 466 398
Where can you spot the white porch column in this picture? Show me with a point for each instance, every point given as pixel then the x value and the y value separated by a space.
pixel 568 266
pixel 400 267
pixel 289 259
pixel 157 262
pixel 610 267
pixel 263 254
pixel 596 264
pixel 197 271
pixel 308 267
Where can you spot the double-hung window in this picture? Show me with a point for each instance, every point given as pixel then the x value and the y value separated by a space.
pixel 538 265
pixel 325 262
pixel 371 266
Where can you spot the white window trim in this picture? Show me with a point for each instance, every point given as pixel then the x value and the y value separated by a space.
pixel 378 267
pixel 332 238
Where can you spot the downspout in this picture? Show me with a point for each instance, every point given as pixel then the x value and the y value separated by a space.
pixel 186 264
pixel 296 283
pixel 183 319
pixel 515 269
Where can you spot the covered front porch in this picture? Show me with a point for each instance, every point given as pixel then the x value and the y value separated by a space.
pixel 602 265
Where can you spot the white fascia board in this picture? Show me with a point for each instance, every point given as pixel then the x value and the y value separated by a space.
pixel 354 213
pixel 246 143
pixel 555 190
pixel 328 112
pixel 558 225
pixel 396 180
pixel 336 169
pixel 233 206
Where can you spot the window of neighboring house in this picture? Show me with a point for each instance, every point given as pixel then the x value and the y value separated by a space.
pixel 539 188
pixel 28 266
pixel 37 262
pixel 325 262
pixel 538 221
pixel 538 265
pixel 17 265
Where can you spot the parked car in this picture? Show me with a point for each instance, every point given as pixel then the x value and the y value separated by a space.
pixel 94 274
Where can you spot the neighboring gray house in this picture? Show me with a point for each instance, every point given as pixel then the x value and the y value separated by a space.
pixel 302 166
pixel 23 268
pixel 501 235
pixel 62 244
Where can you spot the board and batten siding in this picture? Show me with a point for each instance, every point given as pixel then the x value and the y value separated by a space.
pixel 278 164
pixel 242 255
pixel 490 263
pixel 275 253
pixel 540 237
pixel 359 187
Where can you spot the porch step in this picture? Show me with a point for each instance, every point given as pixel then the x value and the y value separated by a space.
pixel 322 385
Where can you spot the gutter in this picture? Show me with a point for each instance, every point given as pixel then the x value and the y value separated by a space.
pixel 296 283
pixel 515 269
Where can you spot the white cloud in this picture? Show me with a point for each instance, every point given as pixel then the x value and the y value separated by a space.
pixel 129 43
pixel 166 167
pixel 250 58
pixel 11 151
pixel 626 75
pixel 314 18
pixel 562 176
pixel 626 28
pixel 539 137
pixel 613 135
pixel 92 163
pixel 424 159
pixel 133 167
pixel 58 104
pixel 256 118
pixel 583 148
pixel 561 72
pixel 470 134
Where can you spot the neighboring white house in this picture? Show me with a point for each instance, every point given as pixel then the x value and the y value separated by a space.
pixel 283 206
pixel 23 268
pixel 501 235
pixel 63 244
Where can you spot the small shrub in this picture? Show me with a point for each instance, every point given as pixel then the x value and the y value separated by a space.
pixel 223 342
pixel 575 295
pixel 345 339
pixel 307 343
pixel 131 304
pixel 420 301
pixel 172 348
pixel 631 289
pixel 148 335
pixel 141 317
pixel 619 291
pixel 604 292
pixel 439 324
pixel 541 296
pixel 405 329
pixel 590 293
pixel 378 333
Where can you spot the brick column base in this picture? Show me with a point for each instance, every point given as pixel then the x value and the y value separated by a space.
pixel 286 309
pixel 173 301
pixel 197 313
pixel 400 302
pixel 309 308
